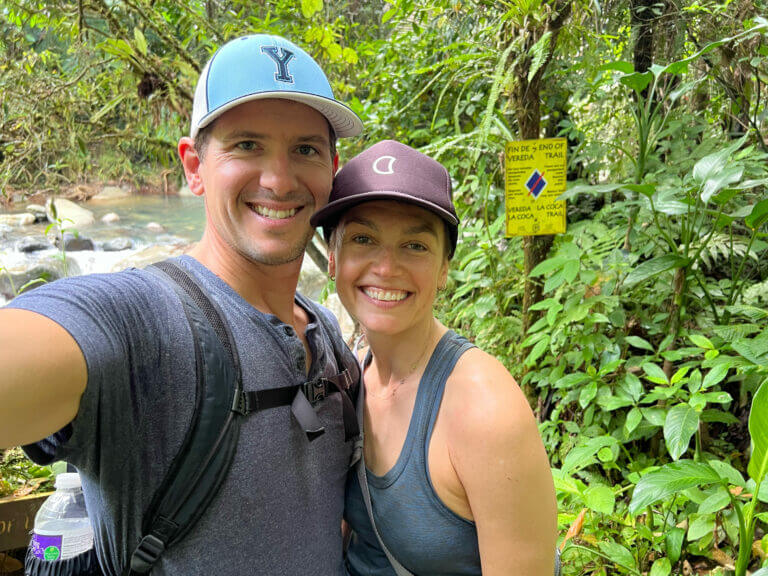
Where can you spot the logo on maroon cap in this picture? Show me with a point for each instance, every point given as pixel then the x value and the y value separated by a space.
pixel 390 166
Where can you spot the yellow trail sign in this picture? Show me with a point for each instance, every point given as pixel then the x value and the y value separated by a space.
pixel 534 177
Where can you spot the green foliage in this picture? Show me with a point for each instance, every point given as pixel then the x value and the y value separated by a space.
pixel 651 340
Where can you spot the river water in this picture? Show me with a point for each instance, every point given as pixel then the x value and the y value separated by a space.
pixel 182 220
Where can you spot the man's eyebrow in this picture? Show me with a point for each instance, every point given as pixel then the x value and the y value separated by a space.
pixel 250 135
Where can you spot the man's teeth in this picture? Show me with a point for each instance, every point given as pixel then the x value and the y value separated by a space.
pixel 274 214
pixel 385 295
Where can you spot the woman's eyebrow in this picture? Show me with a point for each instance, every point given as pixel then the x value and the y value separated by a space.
pixel 422 228
pixel 363 222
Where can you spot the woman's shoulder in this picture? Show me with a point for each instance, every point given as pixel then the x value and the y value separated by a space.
pixel 483 395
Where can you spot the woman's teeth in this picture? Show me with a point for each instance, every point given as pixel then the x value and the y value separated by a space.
pixel 385 295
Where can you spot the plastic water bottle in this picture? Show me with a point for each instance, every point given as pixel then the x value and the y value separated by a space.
pixel 62 538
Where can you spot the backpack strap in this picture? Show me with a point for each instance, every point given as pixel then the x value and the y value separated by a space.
pixel 208 449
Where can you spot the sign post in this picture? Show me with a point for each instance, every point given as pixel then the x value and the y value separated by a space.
pixel 534 177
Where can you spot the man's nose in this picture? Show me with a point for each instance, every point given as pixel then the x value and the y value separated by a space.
pixel 278 174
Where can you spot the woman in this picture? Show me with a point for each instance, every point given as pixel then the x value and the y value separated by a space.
pixel 457 473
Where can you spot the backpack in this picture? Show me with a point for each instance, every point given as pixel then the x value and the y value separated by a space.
pixel 209 446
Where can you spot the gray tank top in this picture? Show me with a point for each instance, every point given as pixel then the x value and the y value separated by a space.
pixel 421 532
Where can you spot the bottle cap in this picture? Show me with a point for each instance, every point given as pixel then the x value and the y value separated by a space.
pixel 68 481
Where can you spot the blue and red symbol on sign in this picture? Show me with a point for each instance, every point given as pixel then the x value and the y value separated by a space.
pixel 536 184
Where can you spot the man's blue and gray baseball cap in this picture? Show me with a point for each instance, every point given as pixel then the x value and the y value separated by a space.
pixel 262 66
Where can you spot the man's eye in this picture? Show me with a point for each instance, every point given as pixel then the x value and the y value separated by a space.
pixel 247 145
pixel 416 246
pixel 306 150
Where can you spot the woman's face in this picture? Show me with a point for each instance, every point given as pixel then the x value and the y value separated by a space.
pixel 389 264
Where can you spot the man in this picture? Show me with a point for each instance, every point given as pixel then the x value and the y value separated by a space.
pixel 100 370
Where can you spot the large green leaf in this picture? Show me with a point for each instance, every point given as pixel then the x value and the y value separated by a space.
pixel 758 430
pixel 600 499
pixel 661 567
pixel 637 81
pixel 673 543
pixel 670 479
pixel 584 454
pixel 680 425
pixel 727 176
pixel 654 267
pixel 758 216
pixel 618 554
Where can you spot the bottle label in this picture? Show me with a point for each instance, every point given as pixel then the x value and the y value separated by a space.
pixel 46 547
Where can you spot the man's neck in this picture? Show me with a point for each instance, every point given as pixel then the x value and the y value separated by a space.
pixel 269 289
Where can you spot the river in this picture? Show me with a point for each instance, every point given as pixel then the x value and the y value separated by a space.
pixel 182 219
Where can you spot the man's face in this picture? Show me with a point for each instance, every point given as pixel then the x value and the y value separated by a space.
pixel 266 168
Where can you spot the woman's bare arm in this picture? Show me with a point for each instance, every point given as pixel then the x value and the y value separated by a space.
pixel 498 455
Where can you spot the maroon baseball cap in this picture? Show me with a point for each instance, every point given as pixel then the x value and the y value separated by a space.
pixel 390 170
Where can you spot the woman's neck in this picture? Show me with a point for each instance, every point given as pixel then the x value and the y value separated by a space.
pixel 397 358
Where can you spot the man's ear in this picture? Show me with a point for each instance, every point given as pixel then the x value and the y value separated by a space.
pixel 336 163
pixel 191 163
pixel 332 264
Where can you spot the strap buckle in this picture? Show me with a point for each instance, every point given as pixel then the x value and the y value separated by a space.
pixel 316 390
pixel 147 553
pixel 241 403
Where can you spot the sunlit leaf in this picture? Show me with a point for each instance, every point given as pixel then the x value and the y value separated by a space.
pixel 661 567
pixel 654 267
pixel 673 477
pixel 679 427
pixel 618 554
pixel 600 499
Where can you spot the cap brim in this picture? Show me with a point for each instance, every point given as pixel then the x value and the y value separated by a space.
pixel 343 120
pixel 332 211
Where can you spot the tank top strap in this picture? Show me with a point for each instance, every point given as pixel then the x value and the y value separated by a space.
pixel 447 353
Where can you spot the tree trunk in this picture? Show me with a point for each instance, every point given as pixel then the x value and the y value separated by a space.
pixel 525 100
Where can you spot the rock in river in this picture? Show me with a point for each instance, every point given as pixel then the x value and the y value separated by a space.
pixel 117 245
pixel 70 214
pixel 33 244
pixel 74 243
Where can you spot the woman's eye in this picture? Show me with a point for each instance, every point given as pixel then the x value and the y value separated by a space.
pixel 416 246
pixel 361 239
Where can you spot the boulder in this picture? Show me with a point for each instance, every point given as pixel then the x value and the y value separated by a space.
pixel 17 220
pixel 33 244
pixel 117 245
pixel 74 243
pixel 112 193
pixel 39 211
pixel 18 279
pixel 110 218
pixel 70 214
pixel 155 227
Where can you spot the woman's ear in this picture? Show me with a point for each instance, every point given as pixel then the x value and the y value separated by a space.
pixel 443 278
pixel 332 265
